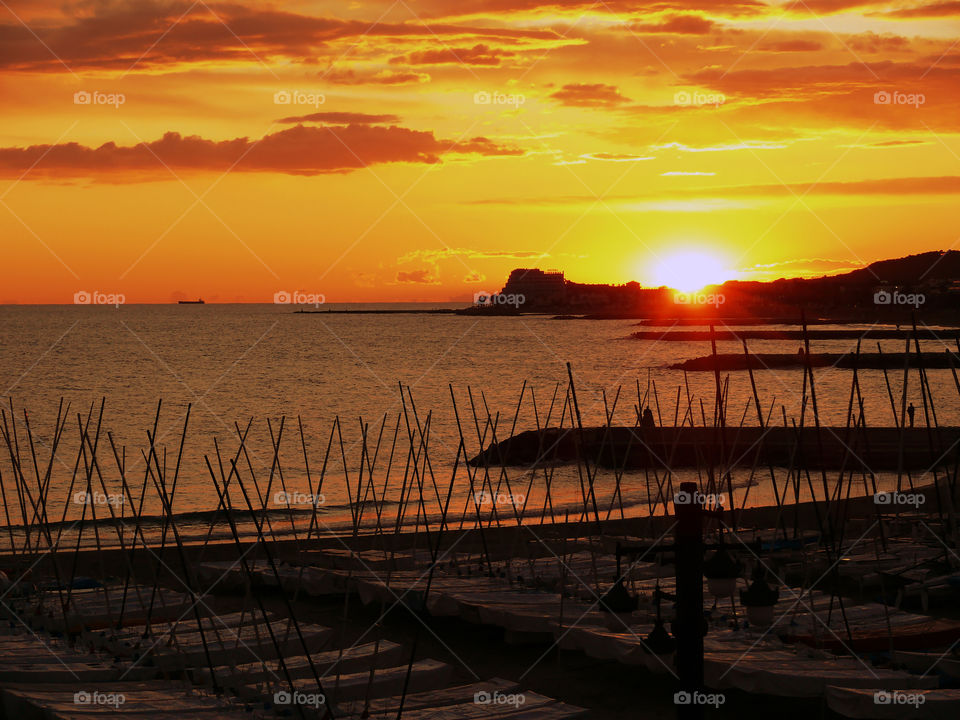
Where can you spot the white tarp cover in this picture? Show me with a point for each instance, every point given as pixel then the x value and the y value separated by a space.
pixel 424 675
pixel 791 675
pixel 455 695
pixel 862 703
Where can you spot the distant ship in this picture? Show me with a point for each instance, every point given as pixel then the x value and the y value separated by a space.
pixel 198 301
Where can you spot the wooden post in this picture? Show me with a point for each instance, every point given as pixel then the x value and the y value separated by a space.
pixel 689 626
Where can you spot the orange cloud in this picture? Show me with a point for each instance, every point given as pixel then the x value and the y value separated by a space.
pixel 434 255
pixel 485 146
pixel 946 185
pixel 589 95
pixel 896 187
pixel 677 24
pixel 784 46
pixel 301 150
pixel 929 10
pixel 340 118
pixel 477 55
pixel 419 277
pixel 856 95
pixel 873 43
pixel 824 7
pixel 149 35
pixel 617 157
pixel 382 77
pixel 470 8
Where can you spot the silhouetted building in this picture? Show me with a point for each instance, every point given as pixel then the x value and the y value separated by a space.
pixel 536 286
pixel 550 291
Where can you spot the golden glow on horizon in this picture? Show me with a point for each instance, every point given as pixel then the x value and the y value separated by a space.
pixel 691 270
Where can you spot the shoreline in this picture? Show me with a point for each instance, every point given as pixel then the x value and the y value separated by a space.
pixel 804 518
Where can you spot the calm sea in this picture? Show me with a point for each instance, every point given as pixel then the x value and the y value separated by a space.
pixel 234 363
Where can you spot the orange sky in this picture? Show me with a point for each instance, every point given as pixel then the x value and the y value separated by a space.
pixel 419 149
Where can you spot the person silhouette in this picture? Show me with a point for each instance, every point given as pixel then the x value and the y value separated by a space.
pixel 911 411
pixel 647 421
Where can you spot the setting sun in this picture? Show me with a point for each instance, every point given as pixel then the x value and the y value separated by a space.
pixel 690 270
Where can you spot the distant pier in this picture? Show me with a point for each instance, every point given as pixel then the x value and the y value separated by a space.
pixel 852 449
pixel 850 360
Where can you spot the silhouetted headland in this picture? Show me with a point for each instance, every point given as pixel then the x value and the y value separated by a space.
pixel 925 285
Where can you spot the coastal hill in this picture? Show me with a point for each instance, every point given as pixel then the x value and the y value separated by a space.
pixel 926 284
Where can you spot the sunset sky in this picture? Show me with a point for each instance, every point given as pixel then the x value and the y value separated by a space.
pixel 419 149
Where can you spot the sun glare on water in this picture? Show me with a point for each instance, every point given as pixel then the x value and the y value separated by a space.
pixel 690 271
